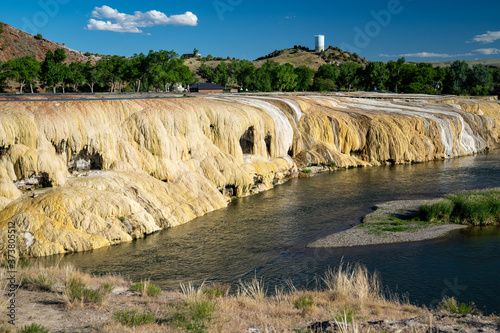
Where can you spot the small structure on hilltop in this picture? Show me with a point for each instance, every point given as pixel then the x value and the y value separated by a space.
pixel 206 88
pixel 319 43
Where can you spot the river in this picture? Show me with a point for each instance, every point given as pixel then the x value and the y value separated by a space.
pixel 265 235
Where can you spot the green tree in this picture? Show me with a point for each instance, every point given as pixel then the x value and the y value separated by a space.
pixel 394 68
pixel 326 77
pixel 304 78
pixel 348 74
pixel 244 71
pixel 53 69
pixel 456 81
pixel 207 73
pixel 137 70
pixel 92 75
pixel 263 76
pixel 25 70
pixel 284 77
pixel 222 74
pixel 480 76
pixel 76 75
pixel 376 76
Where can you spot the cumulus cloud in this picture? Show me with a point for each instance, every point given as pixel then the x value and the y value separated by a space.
pixel 108 19
pixel 488 37
pixel 488 51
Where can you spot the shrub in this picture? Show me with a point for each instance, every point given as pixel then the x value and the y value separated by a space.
pixel 134 318
pixel 306 171
pixel 195 317
pixel 451 305
pixel 33 328
pixel 303 302
pixel 39 36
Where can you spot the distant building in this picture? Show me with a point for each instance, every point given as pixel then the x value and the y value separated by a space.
pixel 206 88
pixel 190 55
pixel 319 43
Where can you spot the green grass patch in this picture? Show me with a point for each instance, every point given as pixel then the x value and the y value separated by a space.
pixel 216 290
pixel 76 290
pixel 346 316
pixel 134 318
pixel 33 328
pixel 146 288
pixel 451 305
pixel 195 316
pixel 304 303
pixel 479 207
pixel 307 171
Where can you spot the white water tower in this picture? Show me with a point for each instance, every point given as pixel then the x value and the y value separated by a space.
pixel 319 43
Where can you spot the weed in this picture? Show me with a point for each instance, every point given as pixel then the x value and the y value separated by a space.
pixel 192 293
pixel 306 171
pixel 451 305
pixel 121 218
pixel 107 287
pixel 195 317
pixel 134 318
pixel 440 210
pixel 333 164
pixel 33 328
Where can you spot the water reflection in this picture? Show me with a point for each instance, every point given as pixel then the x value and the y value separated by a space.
pixel 266 235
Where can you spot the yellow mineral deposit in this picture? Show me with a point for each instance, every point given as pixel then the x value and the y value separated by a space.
pixel 79 175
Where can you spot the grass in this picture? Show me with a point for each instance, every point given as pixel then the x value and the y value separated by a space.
pixel 196 316
pixel 479 207
pixel 347 315
pixel 146 288
pixel 307 171
pixel 43 281
pixel 77 291
pixel 134 318
pixel 33 328
pixel 451 305
pixel 254 289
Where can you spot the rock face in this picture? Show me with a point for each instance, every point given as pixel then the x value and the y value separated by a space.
pixel 115 170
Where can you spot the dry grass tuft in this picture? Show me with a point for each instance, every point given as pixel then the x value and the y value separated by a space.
pixel 191 293
pixel 254 289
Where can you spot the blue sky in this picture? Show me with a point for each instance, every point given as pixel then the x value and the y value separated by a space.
pixel 422 30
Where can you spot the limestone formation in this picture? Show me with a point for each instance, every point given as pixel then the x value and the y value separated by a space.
pixel 77 175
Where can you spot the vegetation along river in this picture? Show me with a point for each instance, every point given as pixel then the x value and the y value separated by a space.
pixel 266 235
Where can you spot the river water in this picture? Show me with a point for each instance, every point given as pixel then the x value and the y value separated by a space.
pixel 265 235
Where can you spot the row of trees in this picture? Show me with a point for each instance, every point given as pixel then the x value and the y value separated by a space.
pixel 396 76
pixel 157 71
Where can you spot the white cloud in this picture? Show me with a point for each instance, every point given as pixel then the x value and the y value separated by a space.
pixel 488 51
pixel 427 55
pixel 108 19
pixel 488 37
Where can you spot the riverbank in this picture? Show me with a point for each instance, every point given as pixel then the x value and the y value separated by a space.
pixel 352 300
pixel 389 223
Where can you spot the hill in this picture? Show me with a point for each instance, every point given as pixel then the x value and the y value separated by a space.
pixel 297 56
pixel 15 43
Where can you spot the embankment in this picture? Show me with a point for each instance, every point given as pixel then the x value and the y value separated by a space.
pixel 77 175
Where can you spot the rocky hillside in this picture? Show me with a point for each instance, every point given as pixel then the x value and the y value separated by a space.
pixel 77 175
pixel 15 43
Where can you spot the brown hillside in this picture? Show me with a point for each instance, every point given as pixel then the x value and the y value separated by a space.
pixel 15 43
pixel 296 57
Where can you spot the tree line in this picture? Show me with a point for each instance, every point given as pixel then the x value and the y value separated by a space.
pixel 395 76
pixel 157 71
pixel 160 70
